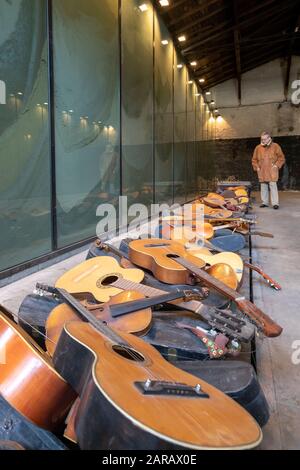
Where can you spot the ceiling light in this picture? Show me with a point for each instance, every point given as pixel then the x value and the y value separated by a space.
pixel 182 38
pixel 212 102
pixel 71 111
pixel 164 42
pixel 143 7
pixel 202 80
pixel 20 93
pixel 197 94
pixel 194 63
pixel 179 66
pixel 208 93
pixel 164 3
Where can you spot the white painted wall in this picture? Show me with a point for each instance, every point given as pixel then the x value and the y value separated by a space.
pixel 263 105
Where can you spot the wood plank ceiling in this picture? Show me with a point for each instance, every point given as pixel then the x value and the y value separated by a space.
pixel 229 37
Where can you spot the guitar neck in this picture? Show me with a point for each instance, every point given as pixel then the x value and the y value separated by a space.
pixel 136 305
pixel 257 269
pixel 124 284
pixel 194 306
pixel 90 318
pixel 261 320
pixel 208 280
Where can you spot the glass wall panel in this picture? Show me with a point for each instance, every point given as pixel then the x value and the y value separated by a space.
pixel 164 50
pixel 86 69
pixel 137 102
pixel 180 129
pixel 199 108
pixel 25 217
pixel 191 128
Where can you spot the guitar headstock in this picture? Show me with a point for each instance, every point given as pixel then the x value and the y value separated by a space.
pixel 42 289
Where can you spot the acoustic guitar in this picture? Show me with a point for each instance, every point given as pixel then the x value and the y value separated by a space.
pixel 95 276
pixel 130 397
pixel 226 257
pixel 171 263
pixel 28 381
pixel 253 267
pixel 113 282
pixel 119 311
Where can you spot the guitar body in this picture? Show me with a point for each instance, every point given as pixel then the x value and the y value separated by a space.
pixel 185 233
pixel 156 255
pixel 95 276
pixel 28 381
pixel 137 322
pixel 116 412
pixel 231 259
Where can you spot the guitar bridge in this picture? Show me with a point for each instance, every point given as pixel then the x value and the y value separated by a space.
pixel 161 388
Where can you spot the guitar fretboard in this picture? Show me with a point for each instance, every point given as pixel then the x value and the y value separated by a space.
pixel 90 318
pixel 209 280
pixel 124 284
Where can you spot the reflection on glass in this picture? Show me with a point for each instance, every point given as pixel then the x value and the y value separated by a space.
pixel 24 138
pixel 137 102
pixel 191 128
pixel 163 114
pixel 86 67
pixel 180 129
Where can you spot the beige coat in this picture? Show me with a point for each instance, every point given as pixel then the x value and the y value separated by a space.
pixel 267 161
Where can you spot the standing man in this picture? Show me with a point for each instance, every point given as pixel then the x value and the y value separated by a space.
pixel 267 160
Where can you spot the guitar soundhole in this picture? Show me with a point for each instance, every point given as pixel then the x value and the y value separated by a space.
pixel 173 256
pixel 107 281
pixel 128 353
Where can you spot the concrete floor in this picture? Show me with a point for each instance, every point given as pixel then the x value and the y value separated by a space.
pixel 280 258
pixel 279 377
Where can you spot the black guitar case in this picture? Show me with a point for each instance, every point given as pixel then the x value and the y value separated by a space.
pixel 15 427
pixel 235 378
pixel 164 335
pixel 181 347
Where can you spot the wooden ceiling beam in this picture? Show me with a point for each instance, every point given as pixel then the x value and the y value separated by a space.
pixel 219 30
pixel 237 49
pixel 172 7
pixel 250 65
pixel 200 21
pixel 205 4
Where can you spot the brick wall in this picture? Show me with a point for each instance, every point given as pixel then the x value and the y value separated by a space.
pixel 220 159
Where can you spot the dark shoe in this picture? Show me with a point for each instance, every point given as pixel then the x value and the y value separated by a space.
pixel 275 207
pixel 263 205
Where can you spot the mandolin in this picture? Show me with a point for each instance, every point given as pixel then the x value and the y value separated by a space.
pixel 130 397
pixel 171 263
pixel 28 381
